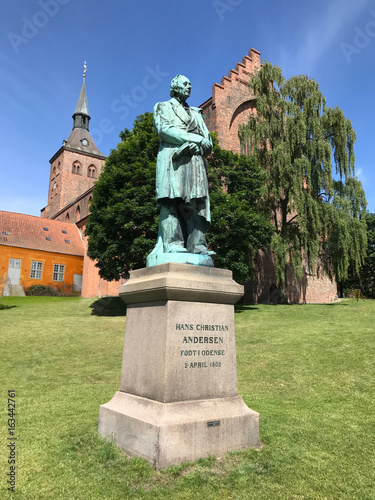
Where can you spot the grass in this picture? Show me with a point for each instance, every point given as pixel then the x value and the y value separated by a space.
pixel 308 369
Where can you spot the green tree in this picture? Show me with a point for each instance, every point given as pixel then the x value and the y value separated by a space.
pixel 123 224
pixel 365 278
pixel 296 139
pixel 239 226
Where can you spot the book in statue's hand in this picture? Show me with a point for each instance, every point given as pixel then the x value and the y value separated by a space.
pixel 181 151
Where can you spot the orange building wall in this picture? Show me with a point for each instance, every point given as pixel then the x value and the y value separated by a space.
pixel 73 265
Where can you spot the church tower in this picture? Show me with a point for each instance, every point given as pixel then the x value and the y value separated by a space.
pixel 76 165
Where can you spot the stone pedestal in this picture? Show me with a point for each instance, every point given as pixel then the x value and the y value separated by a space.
pixel 178 398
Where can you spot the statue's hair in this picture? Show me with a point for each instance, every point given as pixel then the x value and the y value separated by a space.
pixel 174 84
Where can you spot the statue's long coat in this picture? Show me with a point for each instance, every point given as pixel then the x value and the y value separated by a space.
pixel 186 177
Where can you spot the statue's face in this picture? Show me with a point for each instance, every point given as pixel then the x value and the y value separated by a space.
pixel 183 88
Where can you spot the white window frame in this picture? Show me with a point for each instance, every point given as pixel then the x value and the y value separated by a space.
pixel 36 270
pixel 15 263
pixel 58 272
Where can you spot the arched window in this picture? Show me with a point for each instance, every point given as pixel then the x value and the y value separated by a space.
pixel 77 169
pixel 91 171
pixel 78 214
pixel 67 218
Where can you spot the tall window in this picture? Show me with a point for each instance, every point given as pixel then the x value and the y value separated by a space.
pixel 36 270
pixel 58 272
pixel 76 169
pixel 91 171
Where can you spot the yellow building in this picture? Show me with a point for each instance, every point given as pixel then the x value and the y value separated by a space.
pixel 35 251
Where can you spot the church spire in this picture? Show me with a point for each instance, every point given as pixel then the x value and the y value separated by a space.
pixel 81 115
pixel 80 139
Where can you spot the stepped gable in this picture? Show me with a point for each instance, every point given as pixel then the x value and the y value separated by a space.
pixel 28 231
pixel 232 103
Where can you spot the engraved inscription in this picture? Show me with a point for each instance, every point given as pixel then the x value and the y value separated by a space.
pixel 205 355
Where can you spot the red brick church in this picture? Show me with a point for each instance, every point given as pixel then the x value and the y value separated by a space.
pixel 230 105
pixel 78 163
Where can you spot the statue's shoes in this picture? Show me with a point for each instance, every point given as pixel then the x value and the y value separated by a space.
pixel 176 249
pixel 202 250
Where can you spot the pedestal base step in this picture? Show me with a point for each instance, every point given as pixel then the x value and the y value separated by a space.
pixel 168 434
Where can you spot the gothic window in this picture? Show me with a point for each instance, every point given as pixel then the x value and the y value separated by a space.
pixel 78 214
pixel 67 218
pixel 91 171
pixel 77 169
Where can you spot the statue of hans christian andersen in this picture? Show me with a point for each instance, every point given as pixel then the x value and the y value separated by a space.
pixel 173 408
pixel 181 180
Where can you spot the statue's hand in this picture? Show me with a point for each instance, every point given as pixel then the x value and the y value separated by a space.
pixel 205 143
pixel 194 149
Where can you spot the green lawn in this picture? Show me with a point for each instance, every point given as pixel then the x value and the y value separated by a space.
pixel 308 369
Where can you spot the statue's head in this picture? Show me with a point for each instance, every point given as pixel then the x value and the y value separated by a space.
pixel 180 87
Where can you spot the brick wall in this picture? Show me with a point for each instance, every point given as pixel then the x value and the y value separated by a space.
pixel 77 210
pixel 310 289
pixel 93 285
pixel 232 103
pixel 69 178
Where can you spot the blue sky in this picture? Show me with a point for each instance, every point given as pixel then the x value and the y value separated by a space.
pixel 135 48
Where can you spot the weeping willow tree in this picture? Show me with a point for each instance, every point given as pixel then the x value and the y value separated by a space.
pixel 314 200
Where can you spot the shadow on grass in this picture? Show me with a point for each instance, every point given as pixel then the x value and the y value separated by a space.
pixel 109 306
pixel 3 306
pixel 239 308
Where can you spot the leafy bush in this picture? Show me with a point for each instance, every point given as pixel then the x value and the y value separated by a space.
pixel 42 291
pixel 65 290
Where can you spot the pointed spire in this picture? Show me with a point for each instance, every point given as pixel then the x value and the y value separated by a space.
pixel 80 139
pixel 81 115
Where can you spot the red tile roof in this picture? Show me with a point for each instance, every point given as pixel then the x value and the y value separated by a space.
pixel 28 231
